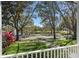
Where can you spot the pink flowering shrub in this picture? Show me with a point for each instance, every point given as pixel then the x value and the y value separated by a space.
pixel 8 38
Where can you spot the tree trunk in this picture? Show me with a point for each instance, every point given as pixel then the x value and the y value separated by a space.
pixel 51 31
pixel 17 35
pixel 17 31
pixel 17 28
pixel 75 34
pixel 54 34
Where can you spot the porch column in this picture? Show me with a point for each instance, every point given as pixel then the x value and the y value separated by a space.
pixel 77 22
pixel 0 31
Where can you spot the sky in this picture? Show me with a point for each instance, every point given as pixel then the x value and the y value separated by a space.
pixel 37 21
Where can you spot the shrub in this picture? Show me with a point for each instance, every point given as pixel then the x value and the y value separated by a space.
pixel 7 39
pixel 63 32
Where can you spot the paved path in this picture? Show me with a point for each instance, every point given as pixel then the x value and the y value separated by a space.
pixel 42 36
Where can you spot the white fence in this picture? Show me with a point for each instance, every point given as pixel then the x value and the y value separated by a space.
pixel 59 52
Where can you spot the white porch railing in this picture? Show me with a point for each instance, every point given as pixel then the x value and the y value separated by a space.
pixel 59 52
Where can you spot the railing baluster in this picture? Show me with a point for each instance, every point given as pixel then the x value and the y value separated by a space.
pixel 40 54
pixel 17 56
pixel 76 49
pixel 63 53
pixel 60 53
pixel 68 53
pixel 73 49
pixel 35 55
pixel 57 53
pixel 51 53
pixel 47 54
pixel 22 56
pixel 27 55
pixel 54 53
pixel 70 50
pixel 32 55
pixel 44 54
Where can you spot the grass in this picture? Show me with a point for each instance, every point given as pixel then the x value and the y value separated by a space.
pixel 64 42
pixel 24 46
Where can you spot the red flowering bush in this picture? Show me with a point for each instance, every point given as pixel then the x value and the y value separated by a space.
pixel 9 38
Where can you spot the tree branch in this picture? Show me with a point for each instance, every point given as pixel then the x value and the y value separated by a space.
pixel 25 23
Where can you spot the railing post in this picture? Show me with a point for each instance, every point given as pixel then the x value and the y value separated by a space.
pixel 0 31
pixel 77 22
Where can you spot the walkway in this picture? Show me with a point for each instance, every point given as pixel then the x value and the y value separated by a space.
pixel 59 36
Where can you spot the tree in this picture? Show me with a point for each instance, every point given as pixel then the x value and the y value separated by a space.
pixel 47 11
pixel 13 12
pixel 69 17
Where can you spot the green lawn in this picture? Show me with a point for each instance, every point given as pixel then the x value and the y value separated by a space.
pixel 64 42
pixel 25 46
